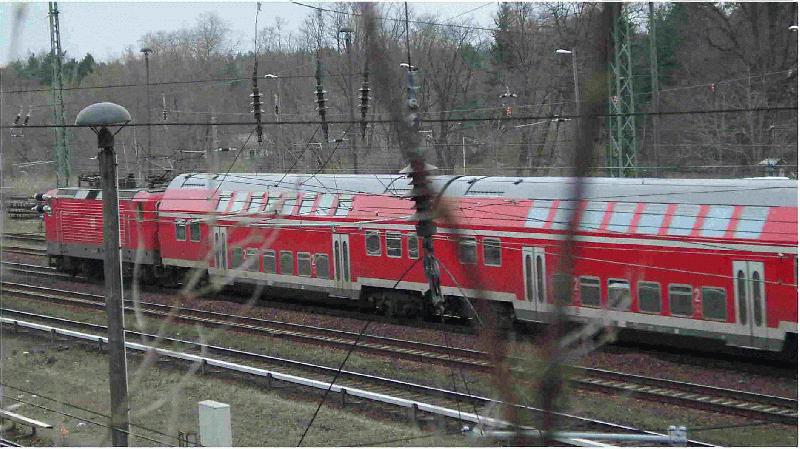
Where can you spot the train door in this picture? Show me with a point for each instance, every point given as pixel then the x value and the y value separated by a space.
pixel 750 300
pixel 534 274
pixel 220 248
pixel 341 261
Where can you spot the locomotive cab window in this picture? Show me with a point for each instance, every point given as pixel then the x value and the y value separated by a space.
pixel 491 252
pixel 269 261
pixel 304 264
pixel 413 246
pixel 373 243
pixel 236 257
pixel 287 262
pixel 590 291
pixel 394 246
pixel 649 297
pixel 180 231
pixel 619 294
pixel 680 300
pixel 715 304
pixel 194 231
pixel 467 251
pixel 323 266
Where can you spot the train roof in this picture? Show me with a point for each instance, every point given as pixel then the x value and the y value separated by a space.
pixel 744 192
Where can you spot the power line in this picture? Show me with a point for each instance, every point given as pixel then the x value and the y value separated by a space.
pixel 418 22
pixel 451 120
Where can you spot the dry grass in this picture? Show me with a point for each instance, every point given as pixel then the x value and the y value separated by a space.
pixel 166 399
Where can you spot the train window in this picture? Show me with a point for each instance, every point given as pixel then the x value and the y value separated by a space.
pixel 224 199
pixel 287 262
pixel 307 204
pixel 345 205
pixel 592 216
pixel 251 260
pixel 467 250
pixel 649 297
pixel 540 287
pixel 590 291
pixel 239 202
pixel 756 298
pixel 303 264
pixel 751 222
pixel 413 246
pixel 236 258
pixel 256 202
pixel 194 231
pixel 269 261
pixel 741 289
pixel 717 220
pixel 94 195
pixel 180 231
pixel 139 212
pixel 619 295
pixel 680 300
pixel 651 218
pixel 325 203
pixel 683 219
pixel 323 266
pixel 715 304
pixel 272 202
pixel 537 216
pixel 288 204
pixel 394 245
pixel 563 213
pixel 491 252
pixel 622 217
pixel 373 239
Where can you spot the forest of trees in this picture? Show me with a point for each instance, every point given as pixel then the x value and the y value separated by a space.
pixel 710 57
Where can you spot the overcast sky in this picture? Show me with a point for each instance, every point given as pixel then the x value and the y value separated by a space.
pixel 105 29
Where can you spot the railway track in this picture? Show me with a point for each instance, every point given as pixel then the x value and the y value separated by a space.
pixel 24 250
pixel 351 387
pixel 33 237
pixel 772 408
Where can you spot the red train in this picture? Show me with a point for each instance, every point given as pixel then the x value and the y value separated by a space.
pixel 702 258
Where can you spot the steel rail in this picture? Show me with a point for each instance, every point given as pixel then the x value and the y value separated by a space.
pixel 300 332
pixel 24 250
pixel 706 397
pixel 345 390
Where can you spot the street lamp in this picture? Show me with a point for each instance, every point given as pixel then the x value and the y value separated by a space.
pixel 99 117
pixel 149 154
pixel 574 75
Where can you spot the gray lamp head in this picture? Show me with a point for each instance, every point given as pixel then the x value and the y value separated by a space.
pixel 103 114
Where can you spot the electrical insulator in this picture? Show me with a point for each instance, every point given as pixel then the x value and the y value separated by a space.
pixel 27 117
pixel 163 107
pixel 713 87
pixel 16 120
pixel 277 108
pixel 508 111
pixel 320 92
pixel 257 111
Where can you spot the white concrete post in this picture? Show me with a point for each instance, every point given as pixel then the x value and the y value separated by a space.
pixel 215 424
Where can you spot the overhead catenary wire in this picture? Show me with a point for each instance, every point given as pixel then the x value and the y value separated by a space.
pixel 450 120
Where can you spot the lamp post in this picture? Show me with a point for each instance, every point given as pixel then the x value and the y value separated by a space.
pixel 271 76
pixel 99 117
pixel 574 76
pixel 148 153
